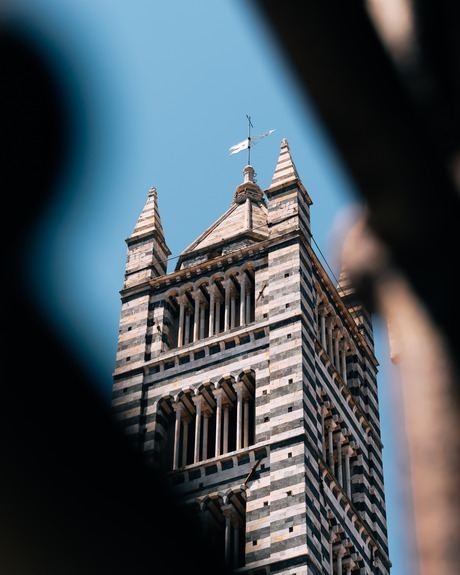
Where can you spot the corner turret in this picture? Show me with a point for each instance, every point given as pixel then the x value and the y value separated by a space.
pixel 288 200
pixel 147 249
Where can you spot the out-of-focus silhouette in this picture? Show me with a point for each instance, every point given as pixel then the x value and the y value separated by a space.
pixel 385 78
pixel 75 498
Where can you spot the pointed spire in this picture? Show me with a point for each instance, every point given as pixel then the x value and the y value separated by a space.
pixel 147 250
pixel 149 221
pixel 285 169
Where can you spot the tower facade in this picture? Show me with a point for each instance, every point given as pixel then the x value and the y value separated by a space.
pixel 252 383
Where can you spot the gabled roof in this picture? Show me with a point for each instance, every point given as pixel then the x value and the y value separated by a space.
pixel 239 219
pixel 246 220
pixel 243 223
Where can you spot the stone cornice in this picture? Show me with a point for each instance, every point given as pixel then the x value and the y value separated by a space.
pixel 290 184
pixel 202 344
pixel 208 267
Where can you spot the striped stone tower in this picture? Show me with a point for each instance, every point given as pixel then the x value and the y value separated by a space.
pixel 252 383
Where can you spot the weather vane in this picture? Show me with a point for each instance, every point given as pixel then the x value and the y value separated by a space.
pixel 249 141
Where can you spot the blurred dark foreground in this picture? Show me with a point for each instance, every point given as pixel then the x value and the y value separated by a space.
pixel 74 497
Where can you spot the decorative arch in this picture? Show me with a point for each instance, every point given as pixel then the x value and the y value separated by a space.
pixel 211 305
pixel 218 276
pixel 339 448
pixel 203 281
pixel 189 286
pixel 207 420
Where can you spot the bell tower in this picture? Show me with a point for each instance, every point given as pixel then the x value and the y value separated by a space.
pixel 244 375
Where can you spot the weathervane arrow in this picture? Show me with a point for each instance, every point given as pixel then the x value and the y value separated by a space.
pixel 249 141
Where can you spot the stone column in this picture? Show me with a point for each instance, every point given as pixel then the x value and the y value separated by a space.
pixel 348 454
pixel 330 328
pixel 344 349
pixel 248 304
pixel 187 328
pixel 323 329
pixel 228 287
pixel 242 279
pixel 336 360
pixel 232 310
pixel 246 406
pixel 182 301
pixel 217 313
pixel 197 296
pixel 236 524
pixel 203 306
pixel 198 400
pixel 317 326
pixel 218 396
pixel 185 424
pixel 178 408
pixel 196 316
pixel 227 512
pixel 339 459
pixel 324 412
pixel 340 553
pixel 206 416
pixel 225 434
pixel 332 537
pixel 238 387
pixel 330 429
pixel 212 300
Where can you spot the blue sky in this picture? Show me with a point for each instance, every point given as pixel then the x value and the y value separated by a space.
pixel 159 92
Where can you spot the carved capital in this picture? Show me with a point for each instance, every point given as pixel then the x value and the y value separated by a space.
pixel 213 291
pixel 229 286
pixel 322 311
pixel 183 300
pixel 198 296
pixel 331 425
pixel 238 387
pixel 344 344
pixel 218 395
pixel 198 400
pixel 339 438
pixel 178 407
pixel 340 551
pixel 348 451
pixel 228 511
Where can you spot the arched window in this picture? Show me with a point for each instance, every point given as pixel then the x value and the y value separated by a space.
pixel 224 526
pixel 207 421
pixel 210 306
